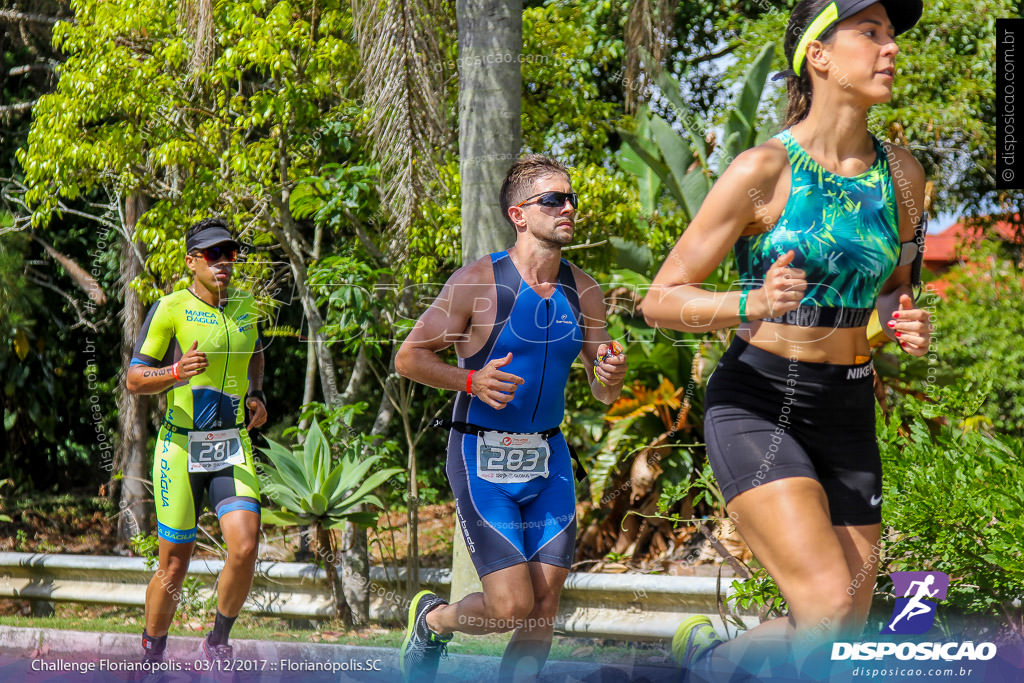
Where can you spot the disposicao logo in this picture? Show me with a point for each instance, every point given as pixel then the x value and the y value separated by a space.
pixel 913 614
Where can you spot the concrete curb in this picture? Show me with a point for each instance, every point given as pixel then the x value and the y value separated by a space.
pixel 269 660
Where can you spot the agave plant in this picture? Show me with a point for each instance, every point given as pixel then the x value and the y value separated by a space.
pixel 308 489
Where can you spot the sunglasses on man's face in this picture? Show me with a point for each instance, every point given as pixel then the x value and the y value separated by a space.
pixel 554 200
pixel 216 253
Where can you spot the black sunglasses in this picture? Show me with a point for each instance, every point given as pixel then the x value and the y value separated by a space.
pixel 554 199
pixel 216 253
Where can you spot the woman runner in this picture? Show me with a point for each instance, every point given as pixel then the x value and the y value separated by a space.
pixel 817 216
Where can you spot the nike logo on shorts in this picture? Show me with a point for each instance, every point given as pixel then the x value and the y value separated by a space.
pixel 876 501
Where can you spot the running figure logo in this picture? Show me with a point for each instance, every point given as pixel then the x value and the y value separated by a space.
pixel 914 613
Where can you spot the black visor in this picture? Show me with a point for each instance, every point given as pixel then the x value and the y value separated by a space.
pixel 215 234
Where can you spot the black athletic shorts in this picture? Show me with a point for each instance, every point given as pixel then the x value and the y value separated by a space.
pixel 768 418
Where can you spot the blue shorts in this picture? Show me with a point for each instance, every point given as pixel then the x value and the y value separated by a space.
pixel 506 524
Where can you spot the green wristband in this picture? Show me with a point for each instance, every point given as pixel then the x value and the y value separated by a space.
pixel 743 305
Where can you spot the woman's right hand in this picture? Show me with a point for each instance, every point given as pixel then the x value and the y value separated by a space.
pixel 782 291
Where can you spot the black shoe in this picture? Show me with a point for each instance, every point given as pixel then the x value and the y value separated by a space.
pixel 422 648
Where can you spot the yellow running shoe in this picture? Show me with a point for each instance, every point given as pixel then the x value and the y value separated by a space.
pixel 694 637
pixel 422 649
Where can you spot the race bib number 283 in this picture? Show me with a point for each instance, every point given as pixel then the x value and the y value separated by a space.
pixel 511 458
pixel 212 451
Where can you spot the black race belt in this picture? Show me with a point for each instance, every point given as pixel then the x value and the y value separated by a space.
pixel 477 430
pixel 175 429
pixel 824 316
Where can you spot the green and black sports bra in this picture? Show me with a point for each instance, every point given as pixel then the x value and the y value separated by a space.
pixel 844 232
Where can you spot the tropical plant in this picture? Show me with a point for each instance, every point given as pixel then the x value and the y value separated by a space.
pixel 651 437
pixel 681 162
pixel 955 499
pixel 308 487
pixel 977 333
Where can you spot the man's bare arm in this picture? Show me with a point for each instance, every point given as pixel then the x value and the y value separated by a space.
pixel 607 377
pixel 447 320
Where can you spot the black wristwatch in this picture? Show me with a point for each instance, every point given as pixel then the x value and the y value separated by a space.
pixel 257 393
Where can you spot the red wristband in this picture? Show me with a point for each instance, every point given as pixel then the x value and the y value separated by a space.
pixel 469 382
pixel 174 371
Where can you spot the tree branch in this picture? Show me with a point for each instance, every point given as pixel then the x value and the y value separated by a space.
pixel 715 55
pixel 82 320
pixel 27 68
pixel 19 108
pixel 16 17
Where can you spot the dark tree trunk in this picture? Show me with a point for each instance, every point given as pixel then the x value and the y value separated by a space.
pixel 131 457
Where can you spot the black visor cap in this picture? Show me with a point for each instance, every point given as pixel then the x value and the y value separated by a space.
pixel 215 234
pixel 902 13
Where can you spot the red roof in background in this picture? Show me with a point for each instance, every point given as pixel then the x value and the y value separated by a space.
pixel 941 248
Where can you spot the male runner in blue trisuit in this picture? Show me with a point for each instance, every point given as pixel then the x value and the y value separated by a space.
pixel 518 319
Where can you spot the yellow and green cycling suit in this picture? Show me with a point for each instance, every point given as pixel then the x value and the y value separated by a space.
pixel 211 401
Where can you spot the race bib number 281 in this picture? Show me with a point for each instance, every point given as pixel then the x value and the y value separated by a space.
pixel 212 451
pixel 511 458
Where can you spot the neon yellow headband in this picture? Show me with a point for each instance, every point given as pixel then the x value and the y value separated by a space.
pixel 821 23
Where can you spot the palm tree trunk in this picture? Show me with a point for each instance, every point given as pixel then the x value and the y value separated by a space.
pixel 490 88
pixel 490 136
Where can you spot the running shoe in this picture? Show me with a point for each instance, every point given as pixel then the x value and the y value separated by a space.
pixel 694 638
pixel 220 658
pixel 422 648
pixel 151 669
pixel 154 670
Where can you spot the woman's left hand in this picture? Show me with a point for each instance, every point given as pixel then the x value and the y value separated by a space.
pixel 912 327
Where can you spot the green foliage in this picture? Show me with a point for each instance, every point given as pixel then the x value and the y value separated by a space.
pixel 570 55
pixel 672 155
pixel 308 487
pixel 977 334
pixel 760 592
pixel 955 498
pixel 704 485
pixel 355 313
pixel 565 49
pixel 142 108
pixel 147 546
pixel 20 300
pixel 232 136
pixel 435 240
pixel 55 402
